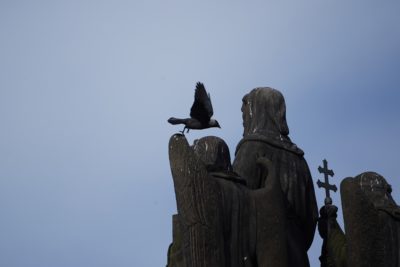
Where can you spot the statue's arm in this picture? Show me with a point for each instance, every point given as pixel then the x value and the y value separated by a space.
pixel 334 246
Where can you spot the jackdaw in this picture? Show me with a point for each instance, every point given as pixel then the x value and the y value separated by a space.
pixel 200 113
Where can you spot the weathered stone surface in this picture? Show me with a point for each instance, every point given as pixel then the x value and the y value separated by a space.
pixel 266 134
pixel 175 251
pixel 271 219
pixel 198 203
pixel 236 208
pixel 214 153
pixel 372 225
pixel 261 212
pixel 230 219
pixel 372 221
pixel 333 252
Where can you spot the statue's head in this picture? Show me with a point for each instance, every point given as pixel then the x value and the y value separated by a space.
pixel 214 153
pixel 376 188
pixel 264 112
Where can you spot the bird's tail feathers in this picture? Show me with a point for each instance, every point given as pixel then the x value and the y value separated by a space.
pixel 174 121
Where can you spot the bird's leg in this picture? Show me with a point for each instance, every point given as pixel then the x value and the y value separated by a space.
pixel 187 130
pixel 183 131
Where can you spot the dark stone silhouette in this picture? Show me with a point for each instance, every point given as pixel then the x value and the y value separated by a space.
pixel 333 253
pixel 200 113
pixel 214 207
pixel 266 133
pixel 372 225
pixel 327 224
pixel 260 212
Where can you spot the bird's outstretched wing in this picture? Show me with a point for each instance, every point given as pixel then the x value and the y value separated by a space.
pixel 202 109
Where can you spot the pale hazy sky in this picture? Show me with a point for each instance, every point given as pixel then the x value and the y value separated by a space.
pixel 86 88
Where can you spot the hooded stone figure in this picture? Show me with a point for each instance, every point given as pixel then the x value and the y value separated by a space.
pixel 372 224
pixel 372 221
pixel 266 134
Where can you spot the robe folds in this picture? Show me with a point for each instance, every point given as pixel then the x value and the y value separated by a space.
pixel 266 135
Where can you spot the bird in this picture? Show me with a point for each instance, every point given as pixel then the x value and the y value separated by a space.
pixel 200 113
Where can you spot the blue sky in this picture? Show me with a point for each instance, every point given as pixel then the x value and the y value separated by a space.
pixel 86 88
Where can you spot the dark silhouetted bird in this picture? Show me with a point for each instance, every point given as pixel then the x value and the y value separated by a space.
pixel 200 113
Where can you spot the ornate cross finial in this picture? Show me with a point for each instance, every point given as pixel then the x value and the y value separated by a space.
pixel 326 185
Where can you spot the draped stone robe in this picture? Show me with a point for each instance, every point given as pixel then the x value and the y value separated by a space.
pixel 372 221
pixel 372 224
pixel 266 134
pixel 212 227
pixel 218 224
pixel 262 213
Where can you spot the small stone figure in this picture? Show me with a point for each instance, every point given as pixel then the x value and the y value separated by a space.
pixel 372 225
pixel 214 153
pixel 212 226
pixel 333 252
pixel 200 113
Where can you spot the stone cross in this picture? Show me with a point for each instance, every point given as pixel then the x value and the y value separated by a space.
pixel 326 185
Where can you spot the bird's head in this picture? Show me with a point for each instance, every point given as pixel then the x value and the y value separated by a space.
pixel 214 123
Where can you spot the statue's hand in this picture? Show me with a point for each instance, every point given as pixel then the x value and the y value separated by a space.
pixel 328 214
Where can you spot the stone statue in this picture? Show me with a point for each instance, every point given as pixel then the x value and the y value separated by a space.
pixel 372 225
pixel 260 212
pixel 266 133
pixel 214 208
